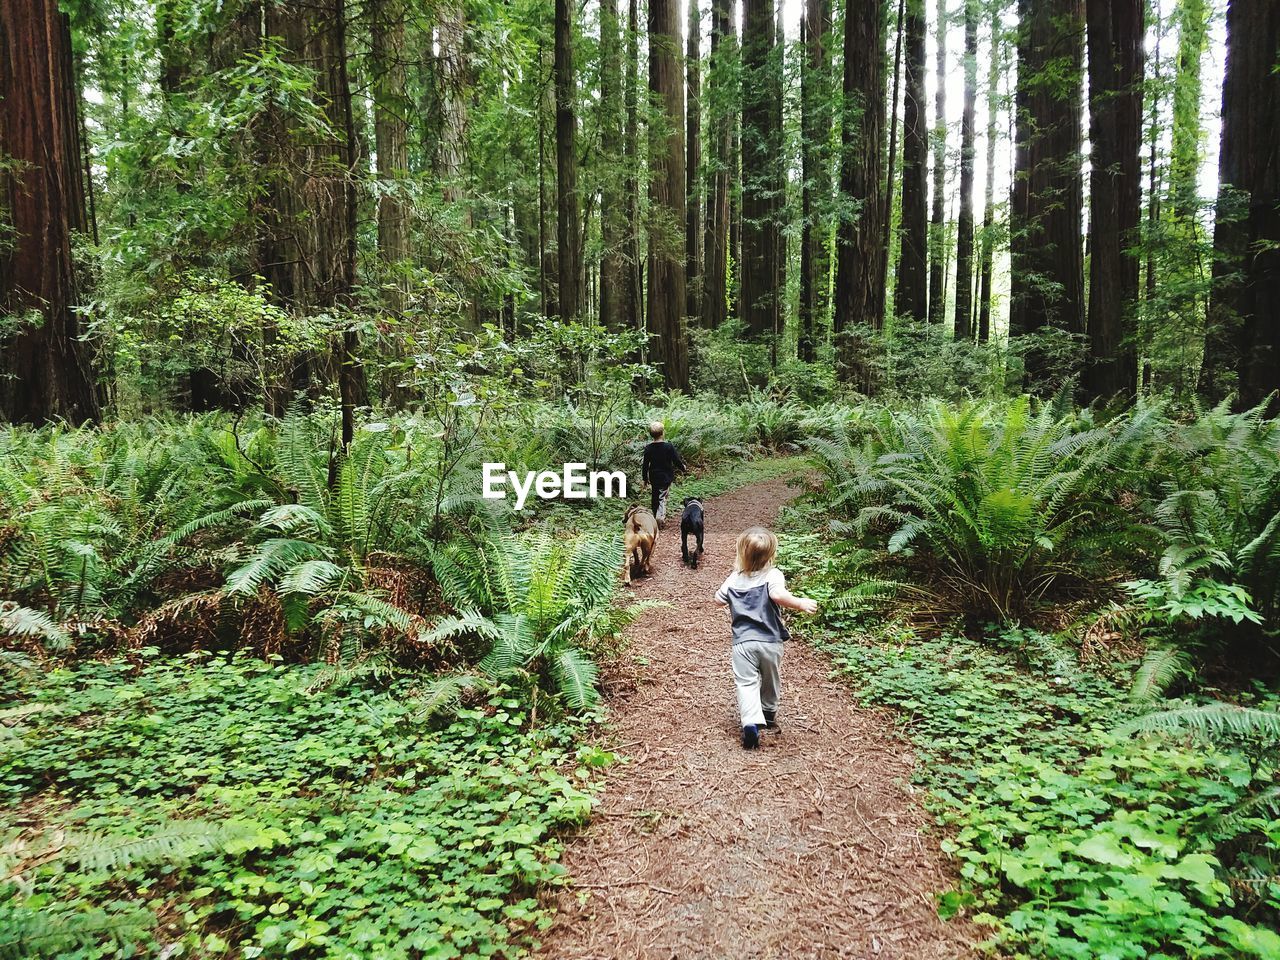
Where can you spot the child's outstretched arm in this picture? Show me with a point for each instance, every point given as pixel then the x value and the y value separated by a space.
pixel 785 598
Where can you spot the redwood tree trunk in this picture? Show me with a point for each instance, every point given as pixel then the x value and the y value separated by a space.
pixel 722 101
pixel 568 228
pixel 613 212
pixel 815 103
pixel 693 167
pixel 1115 30
pixel 937 224
pixel 45 374
pixel 988 211
pixel 964 225
pixel 912 290
pixel 666 164
pixel 1047 281
pixel 307 232
pixel 1244 335
pixel 391 133
pixel 859 273
pixel 632 308
pixel 761 170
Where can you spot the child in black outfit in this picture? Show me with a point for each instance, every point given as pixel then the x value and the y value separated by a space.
pixel 658 469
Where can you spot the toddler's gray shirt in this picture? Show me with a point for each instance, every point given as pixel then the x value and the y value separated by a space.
pixel 752 612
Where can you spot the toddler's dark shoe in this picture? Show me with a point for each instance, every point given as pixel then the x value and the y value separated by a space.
pixel 750 737
pixel 771 720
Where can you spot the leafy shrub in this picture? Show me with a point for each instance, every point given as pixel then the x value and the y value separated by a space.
pixel 989 503
pixel 1218 509
pixel 1075 839
pixel 543 604
pixel 353 827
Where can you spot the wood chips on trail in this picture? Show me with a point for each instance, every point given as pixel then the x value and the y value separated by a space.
pixel 810 847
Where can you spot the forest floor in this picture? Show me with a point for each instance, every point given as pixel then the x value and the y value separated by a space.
pixel 699 850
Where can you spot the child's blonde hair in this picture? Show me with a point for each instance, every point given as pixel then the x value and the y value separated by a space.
pixel 756 549
pixel 656 429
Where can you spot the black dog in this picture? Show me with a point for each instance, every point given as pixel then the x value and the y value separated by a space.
pixel 691 525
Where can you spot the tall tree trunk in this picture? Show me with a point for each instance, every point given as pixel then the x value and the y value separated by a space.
pixel 391 135
pixel 858 263
pixel 1115 32
pixel 613 211
pixel 693 166
pixel 307 234
pixel 761 164
pixel 45 374
pixel 1245 332
pixel 632 314
pixel 937 222
pixel 1047 282
pixel 1153 214
pixel 964 225
pixel 568 227
pixel 815 103
pixel 911 291
pixel 666 163
pixel 722 101
pixel 989 191
pixel 451 35
pixel 887 216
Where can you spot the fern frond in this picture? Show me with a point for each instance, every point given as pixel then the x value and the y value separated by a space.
pixel 16 621
pixel 45 933
pixel 1210 720
pixel 1159 669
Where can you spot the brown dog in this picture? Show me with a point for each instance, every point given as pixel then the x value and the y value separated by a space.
pixel 640 533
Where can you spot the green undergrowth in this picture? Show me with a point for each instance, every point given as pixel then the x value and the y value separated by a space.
pixel 1073 835
pixel 195 807
pixel 1073 838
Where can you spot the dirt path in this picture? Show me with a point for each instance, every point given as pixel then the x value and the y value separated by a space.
pixel 700 850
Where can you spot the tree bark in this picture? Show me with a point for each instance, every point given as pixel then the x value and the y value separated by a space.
pixel 1115 32
pixel 859 273
pixel 815 105
pixel 693 166
pixel 937 220
pixel 1047 282
pixel 886 217
pixel 964 224
pixel 568 227
pixel 46 372
pixel 390 135
pixel 613 212
pixel 1244 336
pixel 307 240
pixel 632 309
pixel 912 290
pixel 666 163
pixel 761 170
pixel 988 206
pixel 722 101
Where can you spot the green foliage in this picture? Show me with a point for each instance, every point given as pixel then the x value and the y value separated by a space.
pixel 991 504
pixel 1074 838
pixel 1219 510
pixel 541 603
pixel 256 816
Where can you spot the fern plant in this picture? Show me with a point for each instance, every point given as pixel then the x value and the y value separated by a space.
pixel 1219 512
pixel 541 606
pixel 43 929
pixel 991 503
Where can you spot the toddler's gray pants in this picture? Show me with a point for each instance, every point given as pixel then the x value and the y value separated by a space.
pixel 756 671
